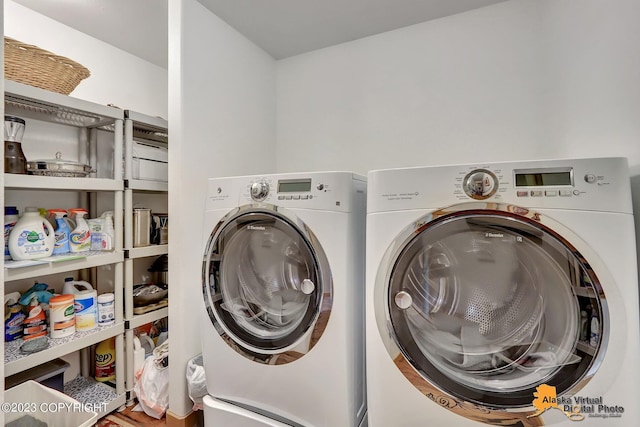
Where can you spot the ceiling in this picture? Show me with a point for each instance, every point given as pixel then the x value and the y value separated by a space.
pixel 282 28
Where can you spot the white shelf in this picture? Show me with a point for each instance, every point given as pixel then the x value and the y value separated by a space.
pixel 16 270
pixel 40 104
pixel 142 319
pixel 147 251
pixel 15 361
pixel 151 186
pixel 36 182
pixel 102 397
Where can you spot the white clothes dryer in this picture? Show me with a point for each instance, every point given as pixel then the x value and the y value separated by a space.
pixel 283 314
pixel 502 294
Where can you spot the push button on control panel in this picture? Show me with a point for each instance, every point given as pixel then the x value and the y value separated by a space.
pixel 536 193
pixel 551 193
pixel 590 178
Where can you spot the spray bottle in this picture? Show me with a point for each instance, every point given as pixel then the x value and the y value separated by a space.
pixel 80 237
pixel 62 231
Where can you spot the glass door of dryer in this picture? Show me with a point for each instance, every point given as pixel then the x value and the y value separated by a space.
pixel 266 281
pixel 486 305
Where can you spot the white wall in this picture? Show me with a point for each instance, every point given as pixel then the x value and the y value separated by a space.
pixel 222 116
pixel 522 79
pixel 117 77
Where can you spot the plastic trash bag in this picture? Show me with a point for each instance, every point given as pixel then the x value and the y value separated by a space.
pixel 152 383
pixel 196 381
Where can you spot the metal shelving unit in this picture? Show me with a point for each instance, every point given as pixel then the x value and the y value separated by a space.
pixel 152 131
pixel 33 103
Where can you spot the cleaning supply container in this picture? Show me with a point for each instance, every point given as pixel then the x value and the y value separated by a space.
pixel 105 367
pixel 32 237
pixel 62 231
pixel 11 216
pixel 13 317
pixel 85 303
pixel 62 316
pixel 106 309
pixel 80 237
pixel 35 325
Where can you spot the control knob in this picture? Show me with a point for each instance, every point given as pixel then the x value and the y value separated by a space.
pixel 480 184
pixel 259 190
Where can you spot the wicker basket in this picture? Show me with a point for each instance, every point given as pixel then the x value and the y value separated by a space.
pixel 37 67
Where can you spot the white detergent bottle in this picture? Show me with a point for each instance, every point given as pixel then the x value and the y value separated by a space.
pixel 108 234
pixel 32 237
pixel 80 237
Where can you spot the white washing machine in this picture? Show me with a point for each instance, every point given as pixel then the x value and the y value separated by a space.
pixel 283 314
pixel 502 294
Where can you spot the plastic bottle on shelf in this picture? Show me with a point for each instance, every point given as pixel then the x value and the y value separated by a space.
pixel 164 335
pixel 35 325
pixel 11 216
pixel 147 344
pixel 13 317
pixel 62 231
pixel 138 355
pixel 108 232
pixel 105 366
pixel 32 237
pixel 106 309
pixel 80 237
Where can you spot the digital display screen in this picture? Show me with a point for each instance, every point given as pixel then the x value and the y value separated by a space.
pixel 294 185
pixel 539 179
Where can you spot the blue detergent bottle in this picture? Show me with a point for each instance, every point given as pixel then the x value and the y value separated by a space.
pixel 62 232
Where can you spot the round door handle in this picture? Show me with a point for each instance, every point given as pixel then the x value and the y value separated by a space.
pixel 403 300
pixel 307 287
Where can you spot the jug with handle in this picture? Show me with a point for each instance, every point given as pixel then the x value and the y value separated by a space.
pixel 85 303
pixel 32 237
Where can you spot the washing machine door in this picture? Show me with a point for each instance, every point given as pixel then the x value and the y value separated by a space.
pixel 267 284
pixel 481 304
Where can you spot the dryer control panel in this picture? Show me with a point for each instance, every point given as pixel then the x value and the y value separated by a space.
pixel 589 184
pixel 333 191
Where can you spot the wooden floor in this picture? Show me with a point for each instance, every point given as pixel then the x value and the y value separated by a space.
pixel 130 418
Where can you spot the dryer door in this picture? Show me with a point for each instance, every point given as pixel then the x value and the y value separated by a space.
pixel 265 280
pixel 485 306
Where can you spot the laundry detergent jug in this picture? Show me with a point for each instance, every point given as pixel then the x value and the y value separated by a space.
pixel 32 237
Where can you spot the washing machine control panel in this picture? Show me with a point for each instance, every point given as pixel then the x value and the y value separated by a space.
pixel 259 190
pixel 480 184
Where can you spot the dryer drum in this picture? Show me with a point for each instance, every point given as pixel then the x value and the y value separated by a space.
pixel 488 308
pixel 265 284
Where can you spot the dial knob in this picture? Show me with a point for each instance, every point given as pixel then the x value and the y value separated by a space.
pixel 259 190
pixel 480 184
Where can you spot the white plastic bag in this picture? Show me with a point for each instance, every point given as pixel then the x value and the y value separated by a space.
pixel 152 386
pixel 196 381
